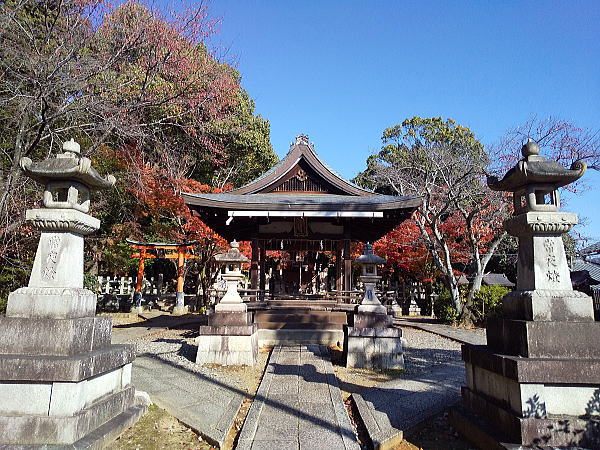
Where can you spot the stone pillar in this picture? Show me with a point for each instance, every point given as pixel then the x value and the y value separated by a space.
pixel 537 382
pixel 231 337
pixel 60 377
pixel 373 342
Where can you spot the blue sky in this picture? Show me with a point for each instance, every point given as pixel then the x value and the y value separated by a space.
pixel 343 71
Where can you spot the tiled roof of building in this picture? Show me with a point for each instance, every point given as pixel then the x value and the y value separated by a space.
pixel 490 279
pixel 588 265
pixel 593 249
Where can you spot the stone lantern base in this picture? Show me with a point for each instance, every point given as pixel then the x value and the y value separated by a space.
pixel 62 383
pixel 537 382
pixel 373 343
pixel 230 338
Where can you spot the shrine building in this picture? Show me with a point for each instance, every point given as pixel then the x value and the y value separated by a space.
pixel 301 208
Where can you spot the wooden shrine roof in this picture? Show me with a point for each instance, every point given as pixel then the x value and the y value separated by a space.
pixel 301 186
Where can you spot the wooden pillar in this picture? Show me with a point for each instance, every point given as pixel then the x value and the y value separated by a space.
pixel 263 270
pixel 137 295
pixel 338 267
pixel 140 274
pixel 347 266
pixel 254 265
pixel 180 270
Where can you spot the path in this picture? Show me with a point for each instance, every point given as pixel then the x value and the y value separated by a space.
pixel 435 372
pixel 475 336
pixel 205 404
pixel 298 404
pixel 397 405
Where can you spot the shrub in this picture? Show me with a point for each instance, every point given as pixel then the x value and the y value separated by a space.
pixel 488 301
pixel 443 307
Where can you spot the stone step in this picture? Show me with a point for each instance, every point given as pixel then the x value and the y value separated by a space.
pixel 269 338
pixel 303 303
pixel 300 326
pixel 300 317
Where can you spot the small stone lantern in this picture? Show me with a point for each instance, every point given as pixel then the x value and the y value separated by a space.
pixel 372 342
pixel 232 263
pixel 368 262
pixel 231 336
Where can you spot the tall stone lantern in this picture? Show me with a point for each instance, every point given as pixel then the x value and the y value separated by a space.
pixel 537 382
pixel 372 341
pixel 231 337
pixel 60 377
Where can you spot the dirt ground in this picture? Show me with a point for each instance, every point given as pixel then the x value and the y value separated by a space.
pixel 157 429
pixel 123 318
pixel 433 434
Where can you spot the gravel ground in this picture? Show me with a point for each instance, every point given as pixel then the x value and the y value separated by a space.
pixel 178 347
pixel 425 350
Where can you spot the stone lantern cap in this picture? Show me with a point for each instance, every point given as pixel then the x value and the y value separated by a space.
pixel 67 166
pixel 368 257
pixel 233 255
pixel 535 169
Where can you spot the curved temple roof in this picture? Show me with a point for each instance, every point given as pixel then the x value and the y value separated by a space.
pixel 300 150
pixel 301 185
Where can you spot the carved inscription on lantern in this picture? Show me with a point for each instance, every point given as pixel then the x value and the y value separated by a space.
pixel 51 258
pixel 551 261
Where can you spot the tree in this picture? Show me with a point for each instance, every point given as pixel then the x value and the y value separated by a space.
pixel 559 140
pixel 128 83
pixel 459 220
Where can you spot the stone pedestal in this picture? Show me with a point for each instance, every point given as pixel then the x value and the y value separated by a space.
pixel 373 343
pixel 180 308
pixel 60 377
pixel 538 379
pixel 411 308
pixel 230 338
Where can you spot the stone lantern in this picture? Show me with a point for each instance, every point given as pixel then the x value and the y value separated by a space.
pixel 537 381
pixel 64 221
pixel 61 380
pixel 537 221
pixel 231 337
pixel 368 262
pixel 372 342
pixel 232 264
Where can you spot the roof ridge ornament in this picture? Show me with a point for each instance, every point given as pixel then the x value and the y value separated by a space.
pixel 302 139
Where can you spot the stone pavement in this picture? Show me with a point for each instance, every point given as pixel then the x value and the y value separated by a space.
pixel 475 336
pixel 397 405
pixel 205 404
pixel 298 404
